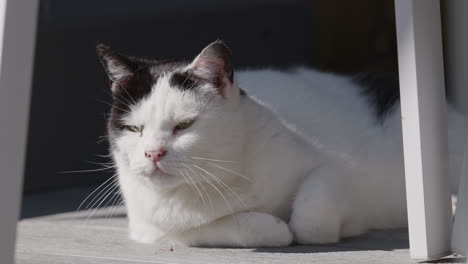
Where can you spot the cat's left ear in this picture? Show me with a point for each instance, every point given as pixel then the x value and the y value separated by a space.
pixel 119 68
pixel 214 64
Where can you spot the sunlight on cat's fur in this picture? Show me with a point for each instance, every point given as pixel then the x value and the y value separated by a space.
pixel 209 157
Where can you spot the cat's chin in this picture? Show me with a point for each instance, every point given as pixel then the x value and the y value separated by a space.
pixel 158 173
pixel 162 179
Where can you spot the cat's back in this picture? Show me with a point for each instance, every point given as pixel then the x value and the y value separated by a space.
pixel 327 108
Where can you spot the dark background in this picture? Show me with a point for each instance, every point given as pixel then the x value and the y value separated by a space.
pixel 67 120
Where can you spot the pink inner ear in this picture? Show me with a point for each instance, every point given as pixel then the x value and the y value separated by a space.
pixel 120 84
pixel 124 83
pixel 209 67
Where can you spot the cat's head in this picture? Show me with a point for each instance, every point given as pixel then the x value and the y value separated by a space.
pixel 173 122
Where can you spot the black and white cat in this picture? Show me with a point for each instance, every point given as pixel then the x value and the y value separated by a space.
pixel 303 156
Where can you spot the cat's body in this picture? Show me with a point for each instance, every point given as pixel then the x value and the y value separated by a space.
pixel 201 163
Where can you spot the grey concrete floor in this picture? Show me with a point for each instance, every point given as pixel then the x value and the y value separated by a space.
pixel 45 236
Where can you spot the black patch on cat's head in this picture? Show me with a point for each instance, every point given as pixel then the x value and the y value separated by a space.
pixel 184 80
pixel 242 92
pixel 131 80
pixel 212 66
pixel 126 74
pixel 382 91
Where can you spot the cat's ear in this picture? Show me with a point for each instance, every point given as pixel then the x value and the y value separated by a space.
pixel 214 64
pixel 119 68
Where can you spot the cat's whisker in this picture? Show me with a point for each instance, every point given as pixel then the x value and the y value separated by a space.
pixel 95 190
pixel 80 171
pixel 101 139
pixel 217 190
pixel 203 186
pixel 240 200
pixel 99 201
pixel 111 200
pixel 129 95
pixel 103 156
pixel 118 203
pixel 196 187
pixel 217 179
pixel 105 190
pixel 228 170
pixel 185 179
pixel 104 164
pixel 186 78
pixel 116 200
pixel 199 192
pixel 122 102
pixel 114 187
pixel 111 105
pixel 191 183
pixel 121 97
pixel 194 184
pixel 215 160
pixel 118 99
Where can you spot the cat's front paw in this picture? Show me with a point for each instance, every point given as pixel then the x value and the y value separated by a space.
pixel 315 230
pixel 274 232
pixel 261 230
pixel 143 232
pixel 144 237
pixel 252 229
pixel 173 241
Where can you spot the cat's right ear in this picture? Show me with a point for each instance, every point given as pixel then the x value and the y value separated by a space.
pixel 119 68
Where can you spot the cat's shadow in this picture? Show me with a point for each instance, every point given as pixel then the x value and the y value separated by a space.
pixel 383 240
pixel 386 240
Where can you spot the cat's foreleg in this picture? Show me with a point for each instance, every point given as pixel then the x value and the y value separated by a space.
pixel 248 229
pixel 321 210
pixel 142 231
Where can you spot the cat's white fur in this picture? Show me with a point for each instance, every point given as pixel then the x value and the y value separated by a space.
pixel 301 158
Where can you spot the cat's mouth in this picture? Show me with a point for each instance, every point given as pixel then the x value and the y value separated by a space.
pixel 158 173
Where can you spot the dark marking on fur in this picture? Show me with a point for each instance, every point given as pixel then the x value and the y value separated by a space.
pixel 128 94
pixel 382 92
pixel 132 79
pixel 188 81
pixel 242 92
pixel 136 88
pixel 184 81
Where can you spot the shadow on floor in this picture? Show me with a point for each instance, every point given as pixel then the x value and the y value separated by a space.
pixel 386 240
pixel 68 200
pixel 450 259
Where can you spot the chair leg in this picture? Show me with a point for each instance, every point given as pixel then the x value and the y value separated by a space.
pixel 460 226
pixel 17 38
pixel 424 127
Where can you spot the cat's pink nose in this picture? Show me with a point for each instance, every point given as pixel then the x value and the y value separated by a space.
pixel 155 155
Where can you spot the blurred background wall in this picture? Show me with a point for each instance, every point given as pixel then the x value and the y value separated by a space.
pixel 68 116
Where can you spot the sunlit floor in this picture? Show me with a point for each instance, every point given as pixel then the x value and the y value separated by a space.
pixel 75 237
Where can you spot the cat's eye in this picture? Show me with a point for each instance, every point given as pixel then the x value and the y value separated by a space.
pixel 136 129
pixel 183 125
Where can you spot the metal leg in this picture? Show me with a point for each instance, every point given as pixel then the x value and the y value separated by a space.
pixel 424 127
pixel 17 37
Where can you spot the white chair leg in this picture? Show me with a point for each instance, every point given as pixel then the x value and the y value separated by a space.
pixel 460 227
pixel 456 54
pixel 17 38
pixel 424 127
